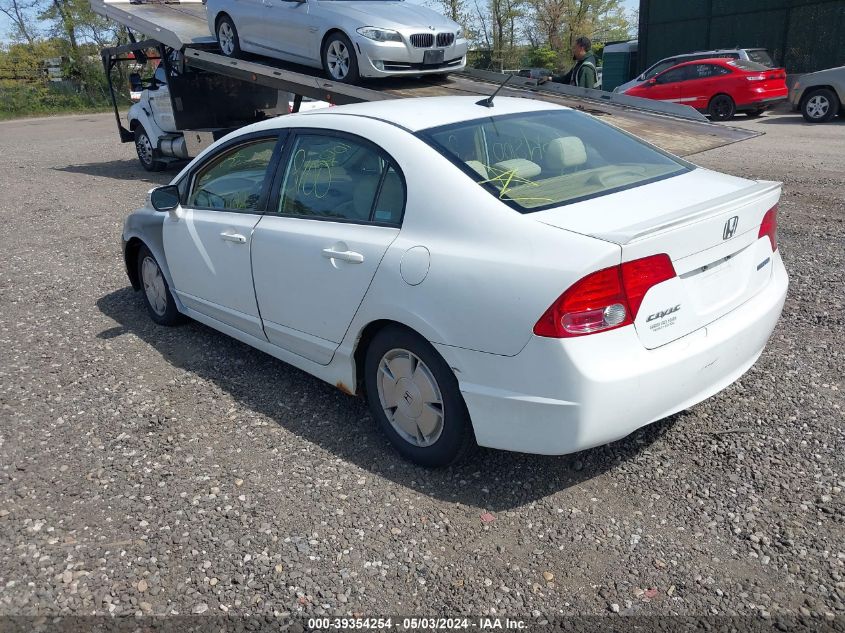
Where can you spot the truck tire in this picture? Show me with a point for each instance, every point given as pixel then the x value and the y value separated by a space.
pixel 819 105
pixel 227 37
pixel 147 151
pixel 339 59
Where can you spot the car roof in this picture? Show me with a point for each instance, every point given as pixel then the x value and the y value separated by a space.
pixel 419 113
pixel 704 60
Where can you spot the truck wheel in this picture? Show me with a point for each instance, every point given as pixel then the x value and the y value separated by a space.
pixel 339 59
pixel 227 37
pixel 819 106
pixel 146 151
pixel 721 108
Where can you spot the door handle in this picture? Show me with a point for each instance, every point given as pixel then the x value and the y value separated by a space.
pixel 347 256
pixel 233 237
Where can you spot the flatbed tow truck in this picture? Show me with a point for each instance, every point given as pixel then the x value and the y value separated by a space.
pixel 197 95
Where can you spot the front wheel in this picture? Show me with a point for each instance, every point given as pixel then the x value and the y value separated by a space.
pixel 721 108
pixel 339 59
pixel 414 396
pixel 146 151
pixel 227 37
pixel 819 106
pixel 157 296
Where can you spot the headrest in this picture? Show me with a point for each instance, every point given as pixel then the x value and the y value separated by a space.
pixel 566 152
pixel 478 167
pixel 520 167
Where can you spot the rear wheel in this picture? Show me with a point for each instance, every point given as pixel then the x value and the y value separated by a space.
pixel 414 395
pixel 227 37
pixel 147 151
pixel 339 59
pixel 819 106
pixel 721 108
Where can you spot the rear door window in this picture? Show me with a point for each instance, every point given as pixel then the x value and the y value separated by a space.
pixel 339 178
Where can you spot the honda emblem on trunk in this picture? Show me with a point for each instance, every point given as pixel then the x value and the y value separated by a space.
pixel 730 228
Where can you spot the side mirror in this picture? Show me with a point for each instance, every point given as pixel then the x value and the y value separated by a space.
pixel 135 82
pixel 651 82
pixel 165 198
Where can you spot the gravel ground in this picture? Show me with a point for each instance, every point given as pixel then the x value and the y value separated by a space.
pixel 158 471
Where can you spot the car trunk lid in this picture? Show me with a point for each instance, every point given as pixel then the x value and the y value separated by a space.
pixel 708 224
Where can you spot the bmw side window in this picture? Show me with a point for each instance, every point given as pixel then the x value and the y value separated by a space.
pixel 339 178
pixel 234 180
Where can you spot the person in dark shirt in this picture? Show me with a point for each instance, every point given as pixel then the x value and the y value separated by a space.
pixel 584 72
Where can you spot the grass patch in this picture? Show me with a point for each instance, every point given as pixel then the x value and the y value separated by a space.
pixel 27 99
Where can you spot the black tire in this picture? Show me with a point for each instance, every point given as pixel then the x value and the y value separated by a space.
pixel 721 108
pixel 819 105
pixel 147 152
pixel 227 37
pixel 334 71
pixel 162 309
pixel 455 437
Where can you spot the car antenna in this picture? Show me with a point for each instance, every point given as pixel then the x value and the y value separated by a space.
pixel 488 102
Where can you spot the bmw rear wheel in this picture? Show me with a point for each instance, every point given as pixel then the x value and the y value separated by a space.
pixel 721 108
pixel 414 395
pixel 227 37
pixel 819 106
pixel 339 59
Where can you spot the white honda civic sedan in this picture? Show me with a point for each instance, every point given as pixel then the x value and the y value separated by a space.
pixel 524 277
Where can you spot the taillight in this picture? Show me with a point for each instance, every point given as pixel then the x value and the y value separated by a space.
pixel 769 227
pixel 604 300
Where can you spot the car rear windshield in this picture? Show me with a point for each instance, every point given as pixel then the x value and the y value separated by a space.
pixel 747 65
pixel 538 160
pixel 761 56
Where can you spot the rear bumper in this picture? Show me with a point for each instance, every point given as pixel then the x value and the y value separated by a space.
pixel 762 104
pixel 562 396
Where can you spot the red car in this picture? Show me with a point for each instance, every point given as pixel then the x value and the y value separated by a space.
pixel 719 87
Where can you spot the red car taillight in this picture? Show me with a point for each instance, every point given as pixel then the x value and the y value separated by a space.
pixel 769 227
pixel 604 300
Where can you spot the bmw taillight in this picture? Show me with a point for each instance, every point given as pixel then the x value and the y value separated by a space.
pixel 769 227
pixel 604 300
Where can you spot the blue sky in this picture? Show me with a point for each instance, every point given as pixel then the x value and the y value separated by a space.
pixel 4 22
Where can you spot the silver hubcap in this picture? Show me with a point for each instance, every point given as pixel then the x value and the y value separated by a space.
pixel 154 285
pixel 226 38
pixel 818 106
pixel 145 148
pixel 410 397
pixel 337 58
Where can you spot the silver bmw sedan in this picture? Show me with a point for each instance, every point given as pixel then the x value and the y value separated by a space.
pixel 349 39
